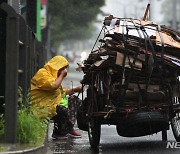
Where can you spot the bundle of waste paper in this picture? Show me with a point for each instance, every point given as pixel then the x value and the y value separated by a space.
pixel 137 47
pixel 135 71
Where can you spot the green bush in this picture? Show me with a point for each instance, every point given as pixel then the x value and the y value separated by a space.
pixel 30 128
pixel 1 127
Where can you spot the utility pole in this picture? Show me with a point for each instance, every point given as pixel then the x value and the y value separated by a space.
pixel 38 20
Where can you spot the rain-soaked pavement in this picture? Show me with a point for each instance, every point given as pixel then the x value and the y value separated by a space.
pixel 111 143
pixel 69 145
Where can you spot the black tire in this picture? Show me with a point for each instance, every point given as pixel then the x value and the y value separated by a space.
pixel 82 119
pixel 175 124
pixel 94 133
pixel 175 121
pixel 164 135
pixel 142 123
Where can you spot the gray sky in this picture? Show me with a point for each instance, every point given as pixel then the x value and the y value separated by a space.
pixel 133 8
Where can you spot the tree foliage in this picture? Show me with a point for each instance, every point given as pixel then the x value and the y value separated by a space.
pixel 72 18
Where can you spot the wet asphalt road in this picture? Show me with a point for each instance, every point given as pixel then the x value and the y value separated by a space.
pixel 111 143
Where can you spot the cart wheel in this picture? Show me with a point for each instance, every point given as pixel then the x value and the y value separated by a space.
pixel 164 135
pixel 175 121
pixel 175 124
pixel 94 133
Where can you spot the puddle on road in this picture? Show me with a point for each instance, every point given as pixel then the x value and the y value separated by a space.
pixel 70 145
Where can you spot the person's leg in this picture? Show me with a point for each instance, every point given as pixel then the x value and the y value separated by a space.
pixel 73 104
pixel 72 108
pixel 62 124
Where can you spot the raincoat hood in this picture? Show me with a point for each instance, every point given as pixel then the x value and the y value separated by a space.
pixel 56 63
pixel 44 96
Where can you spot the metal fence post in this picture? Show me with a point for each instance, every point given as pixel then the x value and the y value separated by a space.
pixel 34 57
pixel 2 57
pixel 29 56
pixel 23 45
pixel 11 84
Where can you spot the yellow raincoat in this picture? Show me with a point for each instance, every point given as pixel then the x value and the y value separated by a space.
pixel 44 96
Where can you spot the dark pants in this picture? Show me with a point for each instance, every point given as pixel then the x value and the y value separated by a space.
pixel 65 118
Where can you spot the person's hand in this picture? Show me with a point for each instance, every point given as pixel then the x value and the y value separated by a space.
pixel 62 72
pixel 78 89
pixel 60 76
pixel 74 90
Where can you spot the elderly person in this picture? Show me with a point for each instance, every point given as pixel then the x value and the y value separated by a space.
pixel 49 98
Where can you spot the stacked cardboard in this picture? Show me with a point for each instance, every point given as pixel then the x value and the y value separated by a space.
pixel 141 48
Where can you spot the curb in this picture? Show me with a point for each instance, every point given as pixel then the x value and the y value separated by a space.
pixel 37 150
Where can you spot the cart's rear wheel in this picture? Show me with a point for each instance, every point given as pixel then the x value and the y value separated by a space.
pixel 175 121
pixel 164 135
pixel 94 133
pixel 175 124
